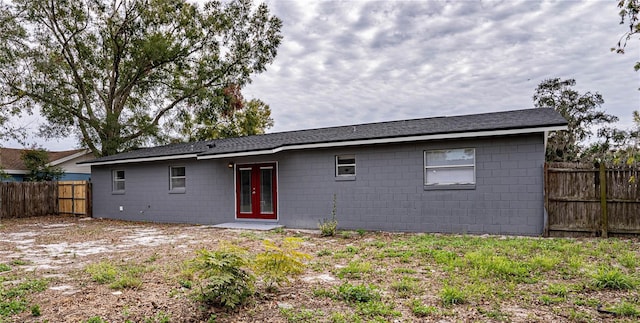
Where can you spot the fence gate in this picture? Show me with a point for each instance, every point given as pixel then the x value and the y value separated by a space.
pixel 74 198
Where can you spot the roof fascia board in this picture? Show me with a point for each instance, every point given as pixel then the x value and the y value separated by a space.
pixel 15 171
pixel 387 140
pixel 140 160
pixel 70 157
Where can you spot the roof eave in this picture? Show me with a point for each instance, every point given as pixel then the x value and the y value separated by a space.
pixel 68 158
pixel 139 160
pixel 472 134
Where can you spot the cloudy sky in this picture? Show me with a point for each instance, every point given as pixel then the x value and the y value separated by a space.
pixel 347 62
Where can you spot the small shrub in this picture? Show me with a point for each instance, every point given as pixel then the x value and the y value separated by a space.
pixel 328 227
pixel 612 278
pixel 420 310
pixel 4 267
pixel 223 281
pixel 277 263
pixel 452 296
pixel 358 293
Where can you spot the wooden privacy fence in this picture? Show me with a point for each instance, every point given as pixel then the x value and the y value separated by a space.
pixel 74 198
pixel 583 199
pixel 28 199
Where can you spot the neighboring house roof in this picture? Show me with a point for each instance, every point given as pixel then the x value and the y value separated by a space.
pixel 466 126
pixel 12 163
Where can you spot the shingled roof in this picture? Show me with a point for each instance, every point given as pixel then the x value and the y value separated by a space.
pixel 11 158
pixel 476 125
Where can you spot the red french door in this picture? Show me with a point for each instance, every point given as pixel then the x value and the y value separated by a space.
pixel 256 191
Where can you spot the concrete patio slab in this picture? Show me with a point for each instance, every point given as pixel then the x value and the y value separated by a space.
pixel 248 226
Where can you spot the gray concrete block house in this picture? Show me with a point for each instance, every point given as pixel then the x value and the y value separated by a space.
pixel 480 173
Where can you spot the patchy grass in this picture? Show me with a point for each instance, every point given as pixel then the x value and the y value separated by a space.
pixel 123 276
pixel 355 276
pixel 14 295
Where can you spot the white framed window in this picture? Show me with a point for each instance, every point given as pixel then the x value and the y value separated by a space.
pixel 118 180
pixel 450 166
pixel 177 178
pixel 346 165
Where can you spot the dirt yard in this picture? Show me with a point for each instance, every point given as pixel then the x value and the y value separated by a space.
pixel 417 277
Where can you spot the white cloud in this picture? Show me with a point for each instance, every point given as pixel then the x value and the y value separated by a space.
pixel 344 62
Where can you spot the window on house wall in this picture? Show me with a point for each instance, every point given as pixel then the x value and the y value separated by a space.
pixel 346 165
pixel 118 181
pixel 177 178
pixel 450 167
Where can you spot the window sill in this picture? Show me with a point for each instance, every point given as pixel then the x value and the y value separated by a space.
pixel 178 191
pixel 345 178
pixel 117 192
pixel 450 187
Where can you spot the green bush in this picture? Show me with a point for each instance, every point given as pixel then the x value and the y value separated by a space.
pixel 223 281
pixel 277 263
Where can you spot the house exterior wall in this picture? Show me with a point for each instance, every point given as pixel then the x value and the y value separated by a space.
pixel 387 194
pixel 72 167
pixel 207 199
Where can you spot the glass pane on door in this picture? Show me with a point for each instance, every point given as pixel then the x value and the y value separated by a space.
pixel 266 190
pixel 245 190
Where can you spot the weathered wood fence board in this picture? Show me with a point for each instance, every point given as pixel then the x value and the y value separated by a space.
pixel 576 205
pixel 28 199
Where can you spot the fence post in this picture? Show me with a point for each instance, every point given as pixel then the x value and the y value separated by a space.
pixel 546 199
pixel 604 225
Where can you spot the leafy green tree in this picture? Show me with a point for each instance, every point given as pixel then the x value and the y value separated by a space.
pixel 245 119
pixel 37 162
pixel 582 112
pixel 115 72
pixel 629 10
pixel 616 146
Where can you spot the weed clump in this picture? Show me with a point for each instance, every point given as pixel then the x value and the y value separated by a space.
pixel 328 227
pixel 613 278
